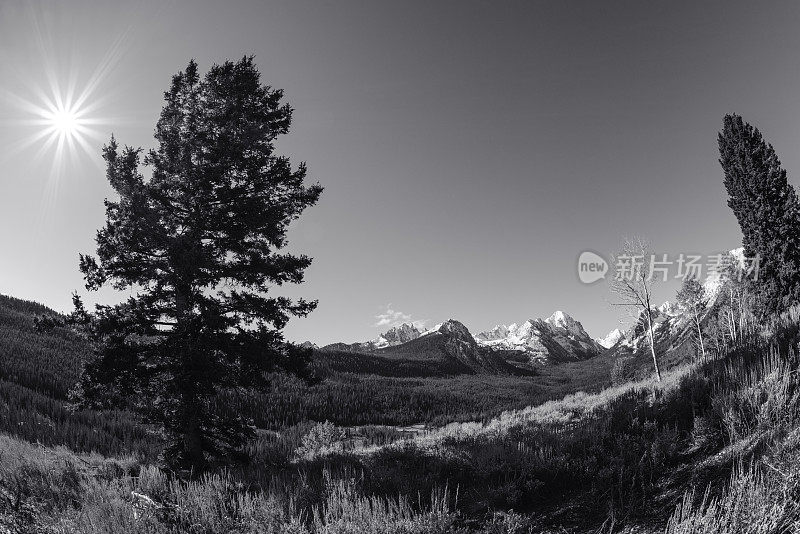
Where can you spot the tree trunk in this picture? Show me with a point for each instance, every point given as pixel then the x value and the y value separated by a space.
pixel 730 323
pixel 192 437
pixel 700 335
pixel 653 344
pixel 193 445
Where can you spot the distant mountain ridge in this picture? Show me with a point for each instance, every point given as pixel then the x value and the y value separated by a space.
pixel 557 339
pixel 446 349
pixel 452 341
pixel 401 334
pixel 397 335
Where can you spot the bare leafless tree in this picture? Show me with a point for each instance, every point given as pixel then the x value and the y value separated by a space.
pixel 632 285
pixel 692 298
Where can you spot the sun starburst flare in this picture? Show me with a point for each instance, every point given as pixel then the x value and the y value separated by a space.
pixel 61 123
pixel 57 115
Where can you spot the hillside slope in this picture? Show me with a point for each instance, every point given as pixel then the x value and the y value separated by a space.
pixel 37 370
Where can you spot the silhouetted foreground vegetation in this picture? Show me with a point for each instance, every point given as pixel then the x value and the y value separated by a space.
pixel 200 243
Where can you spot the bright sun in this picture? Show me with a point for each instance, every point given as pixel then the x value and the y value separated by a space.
pixel 59 106
pixel 66 119
pixel 65 122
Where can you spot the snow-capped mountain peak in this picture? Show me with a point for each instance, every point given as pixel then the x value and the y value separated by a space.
pixel 611 339
pixel 397 335
pixel 714 281
pixel 559 337
pixel 559 319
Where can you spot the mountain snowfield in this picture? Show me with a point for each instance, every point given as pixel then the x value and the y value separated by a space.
pixel 670 322
pixel 713 282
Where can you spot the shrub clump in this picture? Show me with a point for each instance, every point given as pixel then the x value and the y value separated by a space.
pixel 321 439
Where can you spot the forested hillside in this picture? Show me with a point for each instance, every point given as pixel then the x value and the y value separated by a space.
pixel 37 371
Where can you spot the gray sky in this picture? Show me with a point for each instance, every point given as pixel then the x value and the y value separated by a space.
pixel 469 150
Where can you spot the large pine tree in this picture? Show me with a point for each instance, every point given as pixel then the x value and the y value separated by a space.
pixel 199 246
pixel 767 209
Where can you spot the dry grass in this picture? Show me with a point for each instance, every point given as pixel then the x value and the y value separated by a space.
pixel 57 491
pixel 755 501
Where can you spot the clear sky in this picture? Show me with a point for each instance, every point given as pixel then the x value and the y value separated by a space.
pixel 469 150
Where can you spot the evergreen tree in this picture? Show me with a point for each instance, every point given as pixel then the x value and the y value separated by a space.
pixel 767 209
pixel 199 245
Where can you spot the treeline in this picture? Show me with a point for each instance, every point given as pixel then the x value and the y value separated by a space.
pixel 328 362
pixel 353 400
pixel 37 371
pixel 765 282
pixel 38 418
pixel 47 362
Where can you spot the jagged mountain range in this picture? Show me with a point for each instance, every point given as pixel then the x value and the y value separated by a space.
pixel 534 342
pixel 557 339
